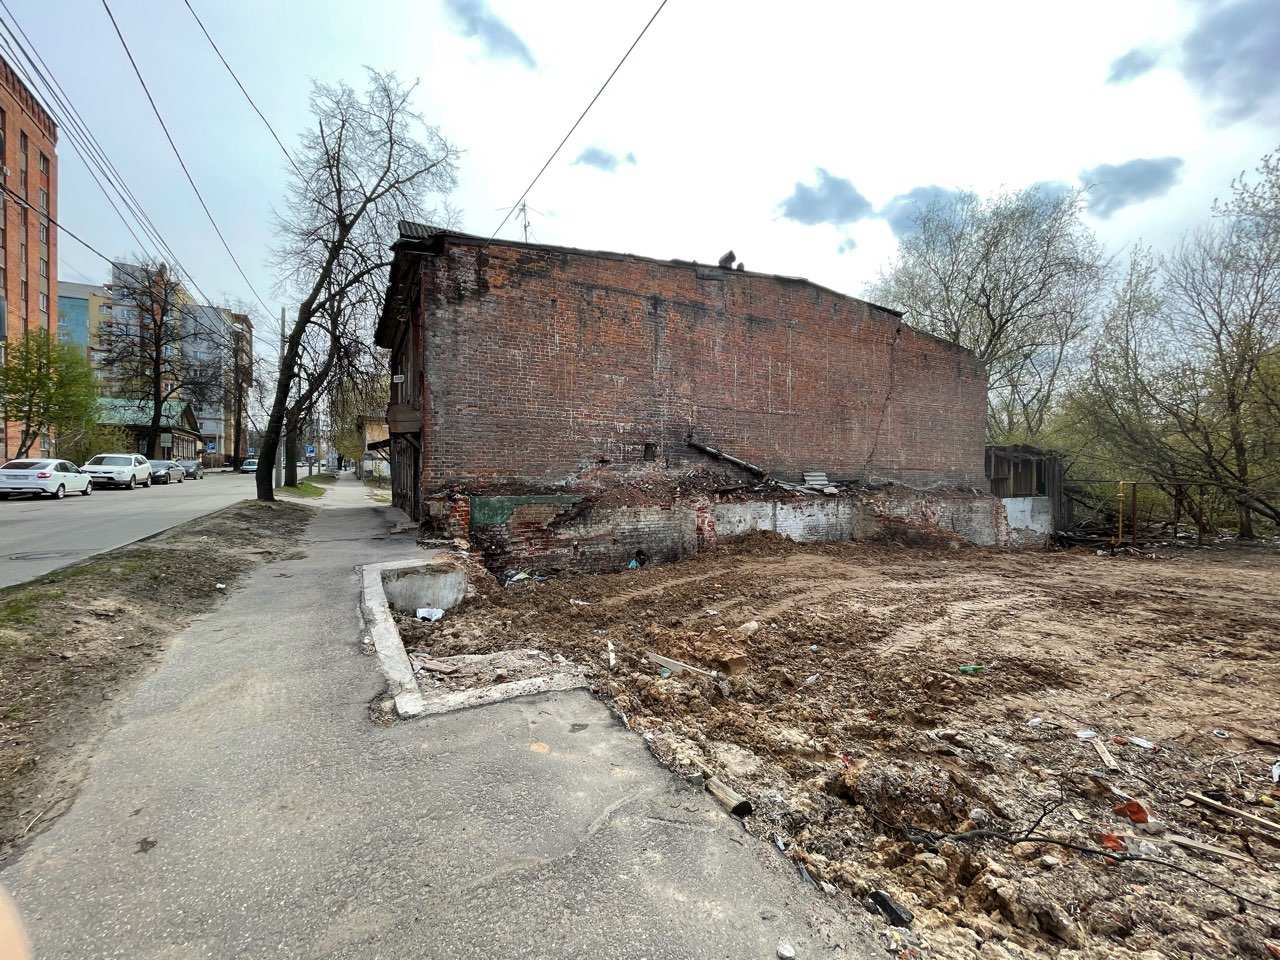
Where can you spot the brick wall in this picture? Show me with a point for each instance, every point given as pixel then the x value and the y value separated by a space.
pixel 556 533
pixel 540 361
pixel 30 290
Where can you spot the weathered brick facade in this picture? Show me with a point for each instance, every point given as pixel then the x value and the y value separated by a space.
pixel 28 237
pixel 528 379
pixel 539 361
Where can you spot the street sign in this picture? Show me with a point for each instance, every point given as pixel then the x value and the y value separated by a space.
pixel 210 446
pixel 252 451
pixel 311 449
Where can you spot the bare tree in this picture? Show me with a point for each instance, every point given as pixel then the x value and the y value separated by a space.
pixel 368 162
pixel 1014 278
pixel 158 345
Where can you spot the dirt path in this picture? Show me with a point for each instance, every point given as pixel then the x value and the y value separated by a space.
pixel 76 639
pixel 847 717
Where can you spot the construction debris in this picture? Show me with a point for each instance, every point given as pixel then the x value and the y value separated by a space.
pixel 892 772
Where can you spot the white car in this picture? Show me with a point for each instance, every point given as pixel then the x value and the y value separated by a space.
pixel 249 466
pixel 53 478
pixel 126 470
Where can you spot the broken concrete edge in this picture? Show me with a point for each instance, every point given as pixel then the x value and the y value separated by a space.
pixel 384 637
pixel 498 692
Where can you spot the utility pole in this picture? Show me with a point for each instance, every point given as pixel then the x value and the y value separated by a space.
pixel 280 439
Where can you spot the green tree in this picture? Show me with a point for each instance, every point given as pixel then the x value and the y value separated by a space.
pixel 45 385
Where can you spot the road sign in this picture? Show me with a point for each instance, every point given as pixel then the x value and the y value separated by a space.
pixel 252 451
pixel 210 446
pixel 311 449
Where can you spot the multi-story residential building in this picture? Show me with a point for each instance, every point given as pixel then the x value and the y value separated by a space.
pixel 208 348
pixel 81 309
pixel 28 207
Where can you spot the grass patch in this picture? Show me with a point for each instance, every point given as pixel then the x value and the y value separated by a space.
pixel 72 638
pixel 325 478
pixel 21 611
pixel 305 489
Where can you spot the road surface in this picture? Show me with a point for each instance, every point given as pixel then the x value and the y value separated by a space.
pixel 39 535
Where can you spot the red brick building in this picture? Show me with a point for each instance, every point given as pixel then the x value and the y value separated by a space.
pixel 545 374
pixel 28 240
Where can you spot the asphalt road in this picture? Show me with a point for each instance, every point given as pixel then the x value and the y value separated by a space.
pixel 39 535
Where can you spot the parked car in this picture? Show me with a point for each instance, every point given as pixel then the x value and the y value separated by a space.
pixel 126 470
pixel 249 466
pixel 167 471
pixel 192 469
pixel 53 478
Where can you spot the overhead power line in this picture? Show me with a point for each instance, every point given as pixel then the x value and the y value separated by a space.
pixel 261 116
pixel 95 158
pixel 61 229
pixel 181 162
pixel 585 110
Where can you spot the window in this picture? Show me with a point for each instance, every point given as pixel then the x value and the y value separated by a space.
pixel 104 309
pixel 44 234
pixel 44 267
pixel 44 199
pixel 44 164
pixel 3 118
pixel 22 290
pixel 44 303
pixel 651 451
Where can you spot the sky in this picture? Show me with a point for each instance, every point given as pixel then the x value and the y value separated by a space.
pixel 798 135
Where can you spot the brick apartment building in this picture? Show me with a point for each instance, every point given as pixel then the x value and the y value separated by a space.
pixel 28 241
pixel 555 404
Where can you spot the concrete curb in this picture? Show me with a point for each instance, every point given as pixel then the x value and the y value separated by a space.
pixel 382 638
pixel 385 638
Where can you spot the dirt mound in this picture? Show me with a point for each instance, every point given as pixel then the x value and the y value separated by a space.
pixel 927 722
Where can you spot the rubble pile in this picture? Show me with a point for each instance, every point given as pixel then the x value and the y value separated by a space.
pixel 1005 754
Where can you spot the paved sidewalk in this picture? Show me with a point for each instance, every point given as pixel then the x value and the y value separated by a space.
pixel 245 806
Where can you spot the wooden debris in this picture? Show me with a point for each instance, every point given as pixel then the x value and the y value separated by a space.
pixel 1199 847
pixel 435 666
pixel 1269 829
pixel 734 802
pixel 1108 760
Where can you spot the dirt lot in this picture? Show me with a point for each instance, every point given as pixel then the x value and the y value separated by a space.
pixel 903 717
pixel 73 640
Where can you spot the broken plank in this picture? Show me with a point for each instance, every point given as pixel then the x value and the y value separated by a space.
pixel 1272 829
pixel 675 666
pixel 1199 847
pixel 1105 755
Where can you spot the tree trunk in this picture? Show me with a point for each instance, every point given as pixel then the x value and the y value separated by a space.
pixel 157 366
pixel 1246 522
pixel 237 428
pixel 291 456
